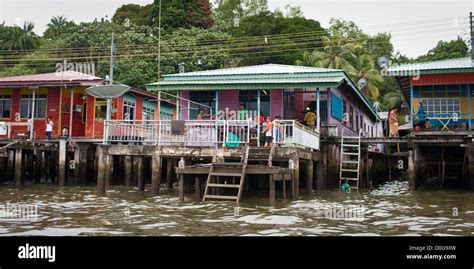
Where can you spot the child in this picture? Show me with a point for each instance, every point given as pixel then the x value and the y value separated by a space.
pixel 268 132
pixel 345 186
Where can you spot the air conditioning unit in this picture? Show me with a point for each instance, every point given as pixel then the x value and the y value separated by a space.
pixel 77 108
pixel 407 118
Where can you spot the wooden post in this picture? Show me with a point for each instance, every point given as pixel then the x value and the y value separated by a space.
pixel 296 177
pixel 322 169
pixel 181 188
pixel 155 174
pixel 11 164
pixel 18 166
pixel 83 166
pixel 411 171
pixel 101 171
pixel 38 165
pixel 62 163
pixel 135 171
pixel 309 176
pixel 108 171
pixel 471 165
pixel 197 189
pixel 140 178
pixel 128 170
pixel 272 188
pixel 77 166
pixel 169 174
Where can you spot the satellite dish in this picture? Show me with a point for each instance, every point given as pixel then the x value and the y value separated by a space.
pixel 376 105
pixel 361 83
pixel 383 62
pixel 108 91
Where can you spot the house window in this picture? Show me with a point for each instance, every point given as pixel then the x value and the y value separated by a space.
pixel 5 106
pixel 128 110
pixel 372 130
pixel 357 121
pixel 323 109
pixel 351 118
pixel 26 105
pixel 100 109
pixel 344 112
pixel 148 113
pixel 204 100
pixel 249 99
pixel 442 105
pixel 336 107
pixel 360 122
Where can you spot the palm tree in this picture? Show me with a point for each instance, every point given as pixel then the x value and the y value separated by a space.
pixel 57 25
pixel 336 53
pixel 392 99
pixel 21 38
pixel 365 68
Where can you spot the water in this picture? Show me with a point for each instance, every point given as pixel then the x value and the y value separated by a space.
pixel 387 210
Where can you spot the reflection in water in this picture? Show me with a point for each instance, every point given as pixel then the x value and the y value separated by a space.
pixel 387 210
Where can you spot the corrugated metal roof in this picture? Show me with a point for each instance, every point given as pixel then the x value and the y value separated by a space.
pixel 256 69
pixel 56 76
pixel 448 65
pixel 332 79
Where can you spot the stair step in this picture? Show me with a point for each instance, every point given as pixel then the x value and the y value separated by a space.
pixel 228 164
pixel 352 162
pixel 350 178
pixel 350 145
pixel 224 174
pixel 215 185
pixel 350 170
pixel 223 197
pixel 350 153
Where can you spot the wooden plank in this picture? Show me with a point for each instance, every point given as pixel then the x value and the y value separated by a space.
pixel 223 197
pixel 217 185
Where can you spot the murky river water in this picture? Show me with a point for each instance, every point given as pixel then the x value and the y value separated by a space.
pixel 386 210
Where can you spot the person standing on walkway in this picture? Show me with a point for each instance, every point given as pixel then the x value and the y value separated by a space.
pixel 49 127
pixel 310 118
pixel 392 119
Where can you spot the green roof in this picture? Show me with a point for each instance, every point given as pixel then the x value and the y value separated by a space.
pixel 457 65
pixel 263 77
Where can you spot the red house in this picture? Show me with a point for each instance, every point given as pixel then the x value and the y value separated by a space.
pixel 62 96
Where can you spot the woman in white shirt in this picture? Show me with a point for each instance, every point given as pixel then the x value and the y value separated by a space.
pixel 49 127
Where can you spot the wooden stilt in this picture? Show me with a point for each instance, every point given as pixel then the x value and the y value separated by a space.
pixel 309 177
pixel 101 172
pixel 140 178
pixel 18 166
pixel 77 166
pixel 155 174
pixel 128 170
pixel 169 174
pixel 181 188
pixel 272 189
pixel 62 163
pixel 197 189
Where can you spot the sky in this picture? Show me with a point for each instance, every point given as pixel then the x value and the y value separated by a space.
pixel 416 25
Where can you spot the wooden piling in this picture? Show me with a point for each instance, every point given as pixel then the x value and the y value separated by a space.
pixel 272 188
pixel 83 166
pixel 101 171
pixel 155 174
pixel 18 166
pixel 197 189
pixel 296 177
pixel 309 176
pixel 169 174
pixel 140 178
pixel 108 171
pixel 471 165
pixel 38 165
pixel 77 166
pixel 411 171
pixel 11 164
pixel 128 170
pixel 181 188
pixel 135 171
pixel 62 163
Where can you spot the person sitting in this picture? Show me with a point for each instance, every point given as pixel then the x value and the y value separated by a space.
pixel 345 187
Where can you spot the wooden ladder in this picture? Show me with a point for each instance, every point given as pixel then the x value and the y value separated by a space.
pixel 215 175
pixel 349 169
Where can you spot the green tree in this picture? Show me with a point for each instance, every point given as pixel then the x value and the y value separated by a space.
pixel 21 38
pixel 446 50
pixel 366 69
pixel 57 26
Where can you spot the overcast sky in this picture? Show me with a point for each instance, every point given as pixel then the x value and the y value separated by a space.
pixel 416 25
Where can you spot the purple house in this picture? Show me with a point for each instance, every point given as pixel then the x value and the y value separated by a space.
pixel 274 90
